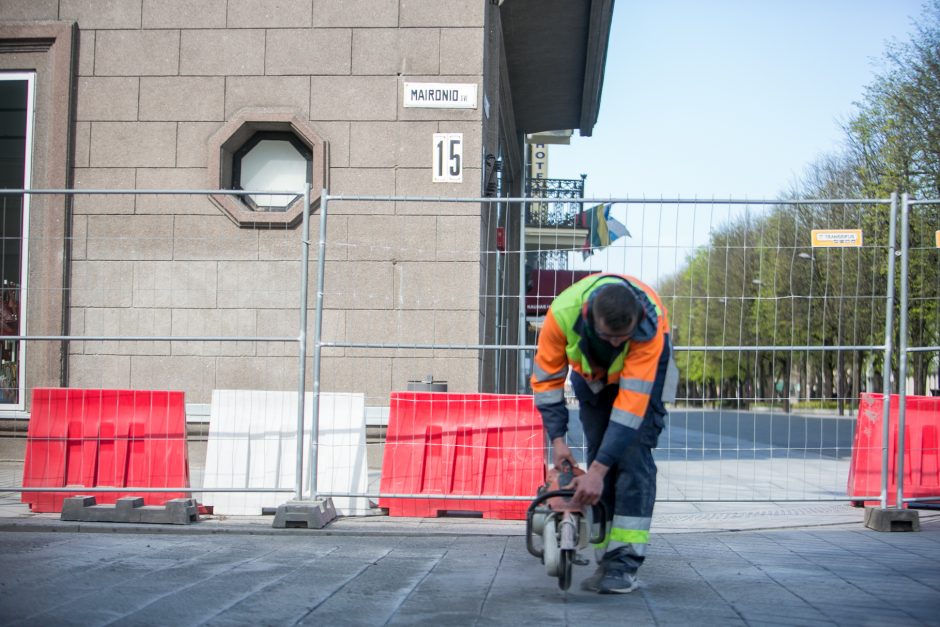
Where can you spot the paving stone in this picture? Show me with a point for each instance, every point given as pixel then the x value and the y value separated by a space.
pixel 455 572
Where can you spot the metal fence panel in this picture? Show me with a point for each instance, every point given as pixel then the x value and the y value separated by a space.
pixel 775 337
pixel 148 290
pixel 919 346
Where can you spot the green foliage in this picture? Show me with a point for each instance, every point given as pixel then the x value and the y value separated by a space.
pixel 758 282
pixel 895 135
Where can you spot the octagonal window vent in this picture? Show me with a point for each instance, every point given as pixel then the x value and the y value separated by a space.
pixel 262 150
pixel 271 161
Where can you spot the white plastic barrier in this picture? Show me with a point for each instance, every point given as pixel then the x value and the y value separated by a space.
pixel 252 444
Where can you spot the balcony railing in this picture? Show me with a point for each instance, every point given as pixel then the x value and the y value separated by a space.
pixel 555 212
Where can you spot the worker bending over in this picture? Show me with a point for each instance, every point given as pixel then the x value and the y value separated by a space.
pixel 613 332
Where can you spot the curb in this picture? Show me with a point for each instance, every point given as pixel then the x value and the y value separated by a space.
pixel 671 524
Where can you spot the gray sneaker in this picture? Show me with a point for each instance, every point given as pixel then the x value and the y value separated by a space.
pixel 616 580
pixel 592 583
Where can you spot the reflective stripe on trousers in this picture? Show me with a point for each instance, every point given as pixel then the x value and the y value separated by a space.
pixel 632 532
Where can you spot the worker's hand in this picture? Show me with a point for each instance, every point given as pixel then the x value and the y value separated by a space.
pixel 561 453
pixel 589 486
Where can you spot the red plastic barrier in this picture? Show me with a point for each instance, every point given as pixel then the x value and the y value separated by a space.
pixel 921 454
pixel 105 438
pixel 472 444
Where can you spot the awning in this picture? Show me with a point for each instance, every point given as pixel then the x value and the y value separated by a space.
pixel 556 51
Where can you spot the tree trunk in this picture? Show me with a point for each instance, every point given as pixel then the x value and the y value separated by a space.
pixel 770 389
pixel 761 393
pixel 840 381
pixel 858 357
pixel 809 379
pixel 920 374
pixel 826 392
pixel 805 386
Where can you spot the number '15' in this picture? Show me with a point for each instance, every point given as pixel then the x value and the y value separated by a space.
pixel 452 156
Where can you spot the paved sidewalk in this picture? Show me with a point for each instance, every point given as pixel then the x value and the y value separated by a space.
pixel 754 562
pixel 787 564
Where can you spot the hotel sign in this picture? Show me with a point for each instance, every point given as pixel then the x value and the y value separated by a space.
pixel 538 161
pixel 440 95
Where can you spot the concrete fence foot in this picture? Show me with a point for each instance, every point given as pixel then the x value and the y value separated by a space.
pixel 304 514
pixel 130 509
pixel 891 519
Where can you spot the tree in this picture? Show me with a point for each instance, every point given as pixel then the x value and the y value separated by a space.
pixel 758 283
pixel 895 139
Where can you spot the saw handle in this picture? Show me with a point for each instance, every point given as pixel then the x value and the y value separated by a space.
pixel 541 498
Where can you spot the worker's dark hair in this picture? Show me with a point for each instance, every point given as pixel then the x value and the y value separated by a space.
pixel 617 306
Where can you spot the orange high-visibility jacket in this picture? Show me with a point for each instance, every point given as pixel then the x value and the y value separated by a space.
pixel 639 370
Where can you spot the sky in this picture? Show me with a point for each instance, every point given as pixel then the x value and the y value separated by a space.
pixel 728 98
pixel 714 99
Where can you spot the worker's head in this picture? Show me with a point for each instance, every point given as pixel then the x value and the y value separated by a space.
pixel 616 312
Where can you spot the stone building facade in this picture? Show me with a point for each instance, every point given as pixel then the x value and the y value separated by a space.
pixel 164 94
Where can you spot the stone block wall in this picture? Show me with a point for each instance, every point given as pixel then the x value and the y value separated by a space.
pixel 156 78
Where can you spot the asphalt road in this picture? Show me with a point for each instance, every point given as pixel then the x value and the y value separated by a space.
pixel 698 435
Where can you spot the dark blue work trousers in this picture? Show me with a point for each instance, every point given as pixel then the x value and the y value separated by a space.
pixel 630 484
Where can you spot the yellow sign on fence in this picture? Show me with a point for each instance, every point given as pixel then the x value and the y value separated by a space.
pixel 938 238
pixel 829 238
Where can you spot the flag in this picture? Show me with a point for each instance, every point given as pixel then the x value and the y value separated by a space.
pixel 602 229
pixel 616 229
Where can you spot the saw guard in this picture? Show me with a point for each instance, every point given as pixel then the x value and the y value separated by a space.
pixel 598 513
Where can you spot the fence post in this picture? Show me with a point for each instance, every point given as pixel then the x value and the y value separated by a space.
pixel 902 346
pixel 522 326
pixel 302 345
pixel 889 335
pixel 317 350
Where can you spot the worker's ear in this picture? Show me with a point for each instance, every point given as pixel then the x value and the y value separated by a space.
pixel 640 317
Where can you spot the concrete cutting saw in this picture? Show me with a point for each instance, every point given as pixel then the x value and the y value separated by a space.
pixel 563 528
